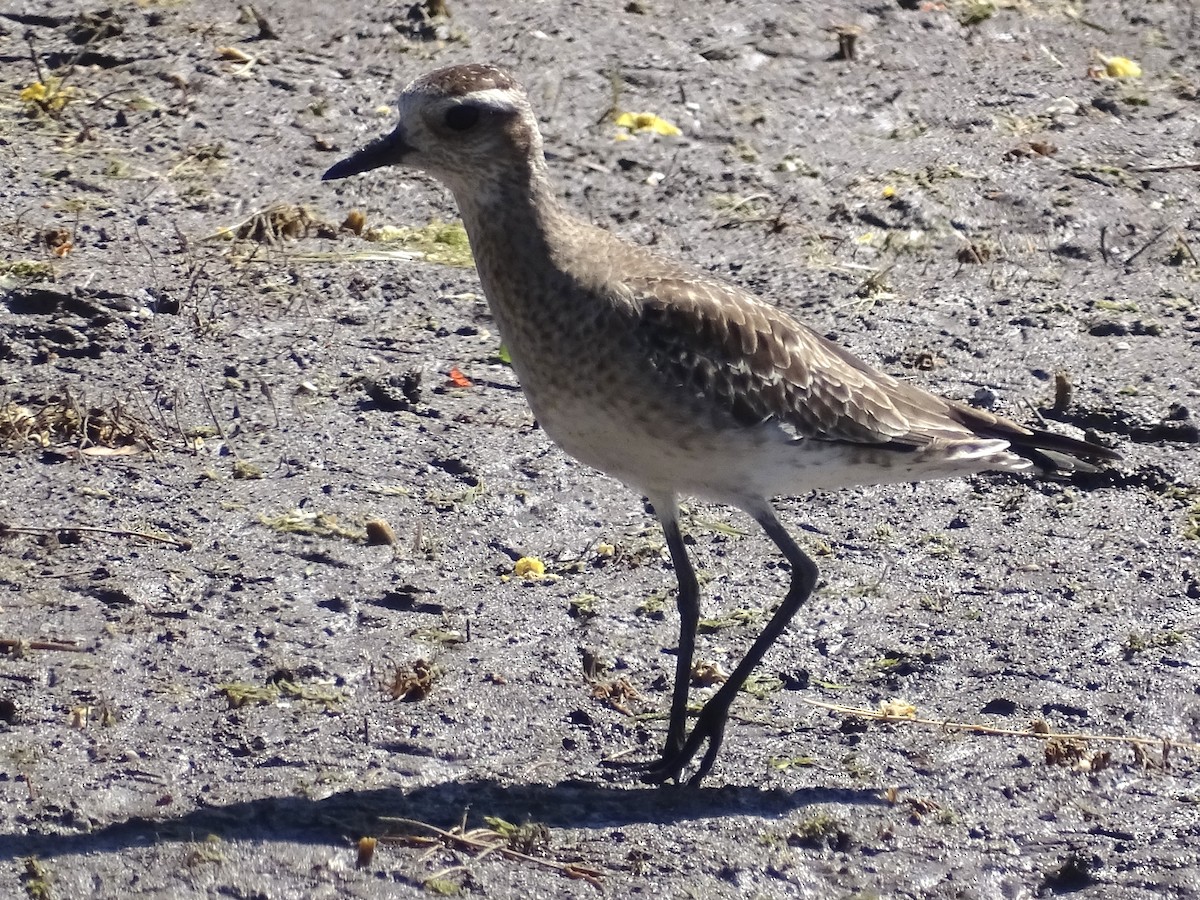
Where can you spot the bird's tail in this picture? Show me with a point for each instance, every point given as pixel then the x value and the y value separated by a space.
pixel 1048 451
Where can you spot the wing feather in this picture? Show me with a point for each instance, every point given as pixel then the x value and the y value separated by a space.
pixel 761 365
pixel 758 364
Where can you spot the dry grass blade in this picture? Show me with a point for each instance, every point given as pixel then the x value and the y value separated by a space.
pixel 316 524
pixel 1176 167
pixel 484 842
pixel 18 646
pixel 273 225
pixel 1038 730
pixel 64 421
pixel 181 543
pixel 412 682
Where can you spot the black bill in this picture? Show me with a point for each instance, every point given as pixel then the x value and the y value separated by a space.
pixel 385 151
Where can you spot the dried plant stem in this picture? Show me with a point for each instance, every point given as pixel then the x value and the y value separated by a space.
pixel 181 543
pixel 977 728
pixel 22 644
pixel 483 842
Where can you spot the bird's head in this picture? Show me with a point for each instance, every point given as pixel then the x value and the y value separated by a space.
pixel 462 124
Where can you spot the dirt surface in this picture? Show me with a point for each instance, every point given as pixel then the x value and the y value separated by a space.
pixel 214 685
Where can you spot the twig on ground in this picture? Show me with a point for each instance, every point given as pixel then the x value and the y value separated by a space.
pixel 1146 246
pixel 22 644
pixel 1171 168
pixel 181 543
pixel 212 413
pixel 484 842
pixel 1033 732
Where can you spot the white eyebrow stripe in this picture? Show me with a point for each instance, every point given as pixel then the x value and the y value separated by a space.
pixel 497 98
pixel 501 99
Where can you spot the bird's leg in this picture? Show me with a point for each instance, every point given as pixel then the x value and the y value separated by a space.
pixel 688 603
pixel 710 724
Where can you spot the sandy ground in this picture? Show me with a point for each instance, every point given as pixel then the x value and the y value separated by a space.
pixel 210 389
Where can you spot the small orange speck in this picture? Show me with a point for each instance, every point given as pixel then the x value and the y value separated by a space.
pixel 458 379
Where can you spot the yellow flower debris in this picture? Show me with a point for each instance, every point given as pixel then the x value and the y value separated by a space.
pixel 1120 67
pixel 530 568
pixel 35 92
pixel 634 123
pixel 51 96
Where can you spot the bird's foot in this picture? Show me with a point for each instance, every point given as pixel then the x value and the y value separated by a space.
pixel 709 727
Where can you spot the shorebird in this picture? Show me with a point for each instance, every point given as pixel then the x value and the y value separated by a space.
pixel 671 379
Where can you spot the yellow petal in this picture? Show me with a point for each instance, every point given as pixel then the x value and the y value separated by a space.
pixel 529 567
pixel 1120 67
pixel 36 91
pixel 647 122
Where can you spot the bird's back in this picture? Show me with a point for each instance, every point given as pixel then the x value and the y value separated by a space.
pixel 675 380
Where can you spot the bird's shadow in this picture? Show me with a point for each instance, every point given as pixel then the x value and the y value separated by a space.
pixel 350 814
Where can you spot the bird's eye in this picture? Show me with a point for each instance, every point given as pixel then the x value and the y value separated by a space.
pixel 460 118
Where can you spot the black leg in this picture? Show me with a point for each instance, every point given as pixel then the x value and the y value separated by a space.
pixel 710 724
pixel 688 602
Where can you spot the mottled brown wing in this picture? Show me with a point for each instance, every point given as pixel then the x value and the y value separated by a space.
pixel 759 364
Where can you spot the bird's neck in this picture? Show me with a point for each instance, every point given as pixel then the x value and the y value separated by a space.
pixel 521 236
pixel 518 210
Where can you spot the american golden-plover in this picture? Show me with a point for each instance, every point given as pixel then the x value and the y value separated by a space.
pixel 668 378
